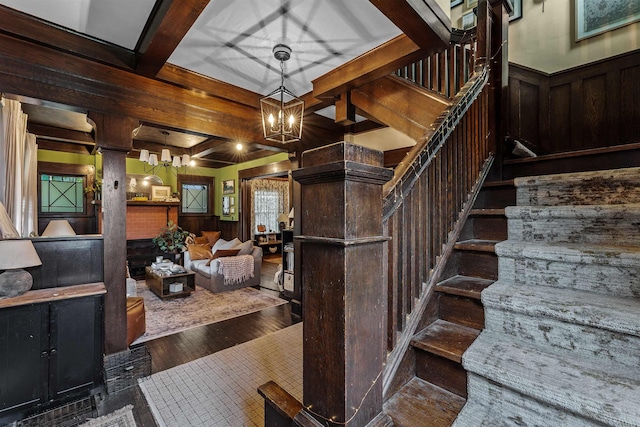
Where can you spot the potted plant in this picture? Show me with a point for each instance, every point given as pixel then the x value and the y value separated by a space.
pixel 171 238
pixel 96 188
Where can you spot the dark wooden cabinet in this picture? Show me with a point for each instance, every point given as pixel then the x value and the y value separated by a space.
pixel 269 242
pixel 50 348
pixel 142 253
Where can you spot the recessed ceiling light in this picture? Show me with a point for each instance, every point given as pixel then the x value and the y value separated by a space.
pixel 239 147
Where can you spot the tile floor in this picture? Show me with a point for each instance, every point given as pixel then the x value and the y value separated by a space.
pixel 221 389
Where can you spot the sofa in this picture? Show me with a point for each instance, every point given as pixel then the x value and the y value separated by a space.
pixel 209 276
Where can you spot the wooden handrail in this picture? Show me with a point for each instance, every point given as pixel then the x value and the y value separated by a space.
pixel 433 189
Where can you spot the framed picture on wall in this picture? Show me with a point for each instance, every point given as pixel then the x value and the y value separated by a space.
pixel 471 3
pixel 455 3
pixel 595 17
pixel 468 20
pixel 517 10
pixel 160 192
pixel 229 186
pixel 225 206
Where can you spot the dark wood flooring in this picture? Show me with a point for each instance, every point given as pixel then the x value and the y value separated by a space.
pixel 183 347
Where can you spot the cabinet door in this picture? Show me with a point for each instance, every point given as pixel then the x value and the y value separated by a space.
pixel 75 346
pixel 23 357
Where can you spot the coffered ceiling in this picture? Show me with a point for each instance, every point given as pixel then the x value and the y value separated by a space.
pixel 223 45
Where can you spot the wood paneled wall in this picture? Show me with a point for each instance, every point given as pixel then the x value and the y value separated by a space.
pixel 592 106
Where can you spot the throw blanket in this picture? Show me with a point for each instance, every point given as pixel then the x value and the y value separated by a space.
pixel 236 269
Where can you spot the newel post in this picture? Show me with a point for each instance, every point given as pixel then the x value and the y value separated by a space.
pixel 344 297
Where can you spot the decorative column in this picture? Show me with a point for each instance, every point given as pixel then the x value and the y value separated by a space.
pixel 114 140
pixel 344 297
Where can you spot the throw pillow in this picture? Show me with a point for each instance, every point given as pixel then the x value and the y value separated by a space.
pixel 223 244
pixel 246 248
pixel 223 253
pixel 201 240
pixel 213 236
pixel 197 252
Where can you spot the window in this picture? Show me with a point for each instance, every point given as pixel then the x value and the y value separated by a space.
pixel 195 198
pixel 269 198
pixel 62 193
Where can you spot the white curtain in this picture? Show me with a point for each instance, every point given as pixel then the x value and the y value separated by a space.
pixel 18 168
pixel 269 198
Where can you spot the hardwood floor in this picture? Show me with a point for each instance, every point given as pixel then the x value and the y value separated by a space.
pixel 183 347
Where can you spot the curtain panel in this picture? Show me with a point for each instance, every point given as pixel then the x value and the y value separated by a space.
pixel 269 198
pixel 18 168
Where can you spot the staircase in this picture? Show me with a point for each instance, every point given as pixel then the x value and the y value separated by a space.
pixel 561 344
pixel 439 390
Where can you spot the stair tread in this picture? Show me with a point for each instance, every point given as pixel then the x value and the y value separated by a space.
pixel 487 212
pixel 445 339
pixel 479 245
pixel 419 401
pixel 465 286
pixel 616 314
pixel 613 255
pixel 605 392
pixel 574 211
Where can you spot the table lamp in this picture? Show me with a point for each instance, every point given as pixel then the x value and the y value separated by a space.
pixel 283 221
pixel 16 254
pixel 58 228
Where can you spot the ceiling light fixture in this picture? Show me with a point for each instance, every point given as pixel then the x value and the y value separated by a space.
pixel 175 163
pixel 281 110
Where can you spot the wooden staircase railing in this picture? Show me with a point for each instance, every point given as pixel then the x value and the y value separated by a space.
pixel 433 189
pixel 446 71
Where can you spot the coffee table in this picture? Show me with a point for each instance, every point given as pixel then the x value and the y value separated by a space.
pixel 159 280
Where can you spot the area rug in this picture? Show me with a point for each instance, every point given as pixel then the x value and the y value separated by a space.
pixel 122 417
pixel 202 307
pixel 221 389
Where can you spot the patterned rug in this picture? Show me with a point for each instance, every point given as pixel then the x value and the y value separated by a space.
pixel 202 307
pixel 123 417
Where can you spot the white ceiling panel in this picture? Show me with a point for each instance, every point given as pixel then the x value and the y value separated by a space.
pixel 232 40
pixel 117 21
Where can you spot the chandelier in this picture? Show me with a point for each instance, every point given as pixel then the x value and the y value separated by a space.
pixel 166 159
pixel 281 110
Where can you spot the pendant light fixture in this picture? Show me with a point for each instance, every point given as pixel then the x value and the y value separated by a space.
pixel 166 159
pixel 282 111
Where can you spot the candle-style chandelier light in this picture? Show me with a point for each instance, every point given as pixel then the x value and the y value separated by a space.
pixel 281 110
pixel 175 163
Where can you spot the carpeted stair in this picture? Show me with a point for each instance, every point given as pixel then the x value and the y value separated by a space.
pixel 561 344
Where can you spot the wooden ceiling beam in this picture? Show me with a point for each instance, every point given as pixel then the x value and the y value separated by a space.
pixel 31 28
pixel 421 20
pixel 59 134
pixel 168 26
pixel 43 73
pixel 193 81
pixel 64 146
pixel 370 66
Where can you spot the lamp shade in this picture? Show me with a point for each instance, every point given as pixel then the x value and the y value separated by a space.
pixel 291 214
pixel 283 218
pixel 144 155
pixel 58 228
pixel 153 159
pixel 186 159
pixel 165 155
pixel 176 161
pixel 18 253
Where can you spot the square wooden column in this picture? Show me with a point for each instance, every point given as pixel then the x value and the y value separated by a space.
pixel 341 258
pixel 114 140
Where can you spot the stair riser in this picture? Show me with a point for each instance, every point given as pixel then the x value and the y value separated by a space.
pixel 603 279
pixel 623 230
pixel 442 372
pixel 564 190
pixel 495 197
pixel 461 310
pixel 562 336
pixel 495 406
pixel 485 228
pixel 476 264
